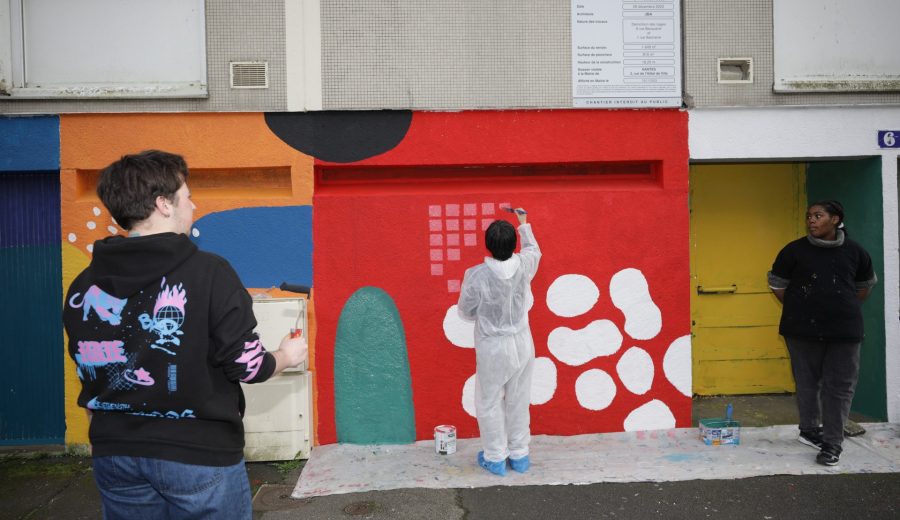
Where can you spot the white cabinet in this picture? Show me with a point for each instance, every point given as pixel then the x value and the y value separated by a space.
pixel 278 417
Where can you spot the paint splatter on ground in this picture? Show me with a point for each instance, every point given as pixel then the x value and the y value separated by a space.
pixel 644 456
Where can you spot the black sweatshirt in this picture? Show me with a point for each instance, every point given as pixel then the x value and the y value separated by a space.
pixel 820 300
pixel 162 334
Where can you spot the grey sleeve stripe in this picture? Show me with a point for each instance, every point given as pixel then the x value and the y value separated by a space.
pixel 868 284
pixel 777 282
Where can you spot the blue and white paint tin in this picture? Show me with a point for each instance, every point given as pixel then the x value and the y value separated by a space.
pixel 445 439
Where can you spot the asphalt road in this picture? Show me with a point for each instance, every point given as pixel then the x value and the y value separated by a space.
pixel 857 496
pixel 63 488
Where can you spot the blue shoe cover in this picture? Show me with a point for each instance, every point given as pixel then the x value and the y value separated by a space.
pixel 520 465
pixel 497 468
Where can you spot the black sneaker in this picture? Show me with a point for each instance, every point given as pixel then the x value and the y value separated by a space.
pixel 811 438
pixel 830 454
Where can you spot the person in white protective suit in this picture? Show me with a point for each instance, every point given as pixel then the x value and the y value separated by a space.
pixel 496 295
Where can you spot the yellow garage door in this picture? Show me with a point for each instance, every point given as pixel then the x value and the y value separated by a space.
pixel 741 216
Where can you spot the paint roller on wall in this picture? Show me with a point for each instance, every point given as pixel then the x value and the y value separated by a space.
pixel 297 330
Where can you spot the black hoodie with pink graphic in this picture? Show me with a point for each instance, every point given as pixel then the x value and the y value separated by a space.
pixel 162 334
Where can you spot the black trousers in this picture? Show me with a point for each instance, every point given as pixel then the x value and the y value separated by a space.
pixel 824 372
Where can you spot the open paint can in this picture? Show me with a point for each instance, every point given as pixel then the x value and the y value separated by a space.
pixel 445 439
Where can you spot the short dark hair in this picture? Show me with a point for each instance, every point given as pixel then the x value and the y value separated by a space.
pixel 129 187
pixel 500 239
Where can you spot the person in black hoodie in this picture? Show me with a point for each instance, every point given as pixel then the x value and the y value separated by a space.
pixel 162 335
pixel 822 280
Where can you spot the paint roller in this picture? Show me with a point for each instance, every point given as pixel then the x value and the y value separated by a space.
pixel 297 331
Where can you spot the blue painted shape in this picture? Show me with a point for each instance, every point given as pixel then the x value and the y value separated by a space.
pixel 682 457
pixel 373 399
pixel 29 209
pixel 32 389
pixel 266 246
pixel 29 143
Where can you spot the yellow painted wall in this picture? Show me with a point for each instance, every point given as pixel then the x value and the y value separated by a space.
pixel 232 144
pixel 741 216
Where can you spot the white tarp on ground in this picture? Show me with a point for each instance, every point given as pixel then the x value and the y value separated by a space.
pixel 653 456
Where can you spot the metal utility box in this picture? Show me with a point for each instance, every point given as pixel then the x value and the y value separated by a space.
pixel 278 418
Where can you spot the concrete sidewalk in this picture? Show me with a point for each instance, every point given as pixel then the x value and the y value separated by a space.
pixel 653 456
pixel 51 487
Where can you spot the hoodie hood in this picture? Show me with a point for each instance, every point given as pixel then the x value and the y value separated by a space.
pixel 504 269
pixel 123 266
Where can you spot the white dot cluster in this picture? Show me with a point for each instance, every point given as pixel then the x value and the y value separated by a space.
pixel 91 225
pixel 573 295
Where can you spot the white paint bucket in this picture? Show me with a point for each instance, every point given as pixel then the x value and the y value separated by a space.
pixel 445 439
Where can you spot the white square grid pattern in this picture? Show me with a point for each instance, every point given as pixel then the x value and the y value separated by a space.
pixel 446 241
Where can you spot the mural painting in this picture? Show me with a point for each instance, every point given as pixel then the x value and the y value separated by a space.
pixel 252 192
pixel 610 318
pixel 401 203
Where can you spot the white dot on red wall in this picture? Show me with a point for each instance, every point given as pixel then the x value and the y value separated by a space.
pixel 468 396
pixel 436 240
pixel 677 365
pixel 72 237
pixel 654 415
pixel 91 224
pixel 452 210
pixel 437 255
pixel 470 210
pixel 453 225
pixel 577 347
pixel 572 295
pixel 458 331
pixel 485 223
pixel 470 224
pixel 90 248
pixel 453 240
pixel 434 211
pixel 96 211
pixel 453 286
pixel 543 380
pixel 635 369
pixel 487 208
pixel 630 293
pixel 453 254
pixel 435 225
pixel 469 239
pixel 195 232
pixel 595 389
pixel 437 269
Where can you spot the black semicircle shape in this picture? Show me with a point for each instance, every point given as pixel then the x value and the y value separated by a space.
pixel 341 136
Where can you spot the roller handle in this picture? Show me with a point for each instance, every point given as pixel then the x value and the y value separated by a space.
pixel 295 288
pixel 299 289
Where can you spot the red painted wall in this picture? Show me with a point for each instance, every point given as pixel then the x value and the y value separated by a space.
pixel 377 234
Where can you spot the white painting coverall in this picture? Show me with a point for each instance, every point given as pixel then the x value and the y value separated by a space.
pixel 496 295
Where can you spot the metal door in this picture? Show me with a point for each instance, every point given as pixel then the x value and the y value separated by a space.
pixel 31 391
pixel 741 216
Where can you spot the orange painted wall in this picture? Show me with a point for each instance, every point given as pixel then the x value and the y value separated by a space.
pixel 89 142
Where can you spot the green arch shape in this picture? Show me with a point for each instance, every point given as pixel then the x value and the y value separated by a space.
pixel 372 385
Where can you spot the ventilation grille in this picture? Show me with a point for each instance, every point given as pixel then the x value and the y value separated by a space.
pixel 735 70
pixel 249 74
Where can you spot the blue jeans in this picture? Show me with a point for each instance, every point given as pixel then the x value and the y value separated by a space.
pixel 137 487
